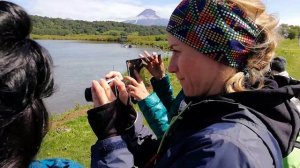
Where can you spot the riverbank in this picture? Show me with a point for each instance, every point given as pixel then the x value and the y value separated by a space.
pixel 154 41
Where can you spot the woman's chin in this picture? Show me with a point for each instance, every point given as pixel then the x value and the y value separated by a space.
pixel 187 93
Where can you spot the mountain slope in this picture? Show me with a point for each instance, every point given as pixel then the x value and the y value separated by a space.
pixel 148 18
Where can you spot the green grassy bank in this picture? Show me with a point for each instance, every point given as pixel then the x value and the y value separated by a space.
pixel 70 135
pixel 290 49
pixel 156 41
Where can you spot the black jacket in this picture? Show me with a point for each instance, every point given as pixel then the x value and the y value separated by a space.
pixel 227 116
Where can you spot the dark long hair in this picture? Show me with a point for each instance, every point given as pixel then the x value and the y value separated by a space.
pixel 25 79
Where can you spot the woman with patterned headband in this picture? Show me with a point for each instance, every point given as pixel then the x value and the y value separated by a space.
pixel 234 116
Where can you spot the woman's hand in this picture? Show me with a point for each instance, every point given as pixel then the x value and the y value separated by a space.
pixel 154 65
pixel 136 88
pixel 103 93
pixel 123 94
pixel 111 116
pixel 113 74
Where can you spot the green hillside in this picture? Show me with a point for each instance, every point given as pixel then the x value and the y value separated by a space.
pixel 63 27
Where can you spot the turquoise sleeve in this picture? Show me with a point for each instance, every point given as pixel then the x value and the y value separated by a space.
pixel 164 90
pixel 155 113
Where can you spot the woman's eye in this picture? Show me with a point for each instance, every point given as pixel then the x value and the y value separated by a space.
pixel 173 51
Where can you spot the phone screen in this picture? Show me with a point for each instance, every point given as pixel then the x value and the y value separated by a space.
pixel 134 64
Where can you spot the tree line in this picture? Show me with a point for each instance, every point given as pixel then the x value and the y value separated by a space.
pixel 289 31
pixel 66 27
pixel 63 27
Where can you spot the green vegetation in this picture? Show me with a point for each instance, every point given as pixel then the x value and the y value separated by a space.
pixel 155 41
pixel 106 31
pixel 70 136
pixel 105 38
pixel 290 49
pixel 289 31
pixel 63 27
pixel 159 41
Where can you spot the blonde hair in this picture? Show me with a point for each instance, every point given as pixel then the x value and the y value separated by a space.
pixel 264 51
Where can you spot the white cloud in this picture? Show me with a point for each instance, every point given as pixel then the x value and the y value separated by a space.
pixel 290 21
pixel 91 10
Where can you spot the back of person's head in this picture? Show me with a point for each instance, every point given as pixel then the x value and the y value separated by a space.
pixel 25 79
pixel 278 64
pixel 236 33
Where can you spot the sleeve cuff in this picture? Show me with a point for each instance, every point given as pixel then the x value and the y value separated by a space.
pixel 108 145
pixel 156 83
pixel 149 102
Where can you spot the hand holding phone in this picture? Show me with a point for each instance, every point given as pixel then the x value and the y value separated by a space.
pixel 154 64
pixel 134 64
pixel 136 88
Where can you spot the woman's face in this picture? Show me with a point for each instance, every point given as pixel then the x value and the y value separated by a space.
pixel 198 74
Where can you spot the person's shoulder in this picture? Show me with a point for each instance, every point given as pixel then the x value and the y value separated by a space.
pixel 234 138
pixel 219 146
pixel 231 131
pixel 232 134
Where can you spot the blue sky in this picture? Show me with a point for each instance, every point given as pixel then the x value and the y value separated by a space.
pixel 119 10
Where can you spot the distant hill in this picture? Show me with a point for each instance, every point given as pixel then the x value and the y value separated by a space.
pixel 148 18
pixel 57 26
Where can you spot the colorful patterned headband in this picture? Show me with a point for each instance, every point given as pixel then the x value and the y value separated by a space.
pixel 221 31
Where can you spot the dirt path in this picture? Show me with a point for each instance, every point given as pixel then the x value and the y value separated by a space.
pixel 68 117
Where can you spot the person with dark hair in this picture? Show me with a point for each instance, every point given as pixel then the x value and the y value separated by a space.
pixel 278 65
pixel 26 78
pixel 278 70
pixel 234 116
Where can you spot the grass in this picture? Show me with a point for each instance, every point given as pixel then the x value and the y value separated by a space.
pixel 71 137
pixel 290 49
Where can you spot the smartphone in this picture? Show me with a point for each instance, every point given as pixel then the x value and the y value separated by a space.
pixel 134 64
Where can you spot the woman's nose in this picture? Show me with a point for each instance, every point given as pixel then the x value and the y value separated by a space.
pixel 173 65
